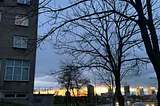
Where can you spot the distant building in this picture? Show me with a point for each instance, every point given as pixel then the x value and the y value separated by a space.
pixel 140 91
pixel 90 89
pixel 133 93
pixel 151 91
pixel 127 90
pixel 110 89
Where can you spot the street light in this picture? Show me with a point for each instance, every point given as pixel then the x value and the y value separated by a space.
pixel 117 104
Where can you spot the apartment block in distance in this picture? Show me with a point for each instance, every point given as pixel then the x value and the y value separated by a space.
pixel 140 91
pixel 152 91
pixel 127 90
pixel 18 35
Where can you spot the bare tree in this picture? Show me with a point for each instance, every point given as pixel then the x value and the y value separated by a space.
pixel 70 77
pixel 99 41
pixel 147 23
pixel 141 13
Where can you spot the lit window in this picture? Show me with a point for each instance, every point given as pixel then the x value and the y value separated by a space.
pixel 20 42
pixel 23 2
pixel 21 20
pixel 17 70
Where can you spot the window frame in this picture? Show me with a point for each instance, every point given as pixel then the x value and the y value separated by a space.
pixel 21 46
pixel 21 77
pixel 21 18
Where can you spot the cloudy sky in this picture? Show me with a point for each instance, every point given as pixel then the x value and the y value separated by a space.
pixel 48 60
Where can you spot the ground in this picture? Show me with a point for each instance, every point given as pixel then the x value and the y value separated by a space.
pixel 8 104
pixel 81 104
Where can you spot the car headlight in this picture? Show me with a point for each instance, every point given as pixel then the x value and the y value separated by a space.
pixel 152 105
pixel 147 104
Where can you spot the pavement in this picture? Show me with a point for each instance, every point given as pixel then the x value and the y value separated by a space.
pixel 135 104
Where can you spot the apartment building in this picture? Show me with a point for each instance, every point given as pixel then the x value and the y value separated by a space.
pixel 140 91
pixel 18 35
pixel 152 91
pixel 127 90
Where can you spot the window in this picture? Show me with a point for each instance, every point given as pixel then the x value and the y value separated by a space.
pixel 21 95
pixel 13 95
pixel 20 42
pixel 21 20
pixel 9 95
pixel 23 2
pixel 17 70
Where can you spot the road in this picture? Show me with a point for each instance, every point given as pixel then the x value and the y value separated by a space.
pixel 135 104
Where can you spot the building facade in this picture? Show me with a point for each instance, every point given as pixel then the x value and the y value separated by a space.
pixel 127 90
pixel 151 91
pixel 18 36
pixel 90 94
pixel 140 91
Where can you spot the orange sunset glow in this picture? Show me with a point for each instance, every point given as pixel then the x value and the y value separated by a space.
pixel 83 92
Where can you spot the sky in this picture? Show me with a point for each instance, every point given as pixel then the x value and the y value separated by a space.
pixel 47 60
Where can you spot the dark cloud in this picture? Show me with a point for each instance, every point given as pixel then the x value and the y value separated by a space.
pixel 146 79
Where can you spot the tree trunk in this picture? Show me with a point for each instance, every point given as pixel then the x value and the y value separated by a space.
pixel 158 93
pixel 113 99
pixel 152 54
pixel 151 45
pixel 119 95
pixel 67 96
pixel 77 99
pixel 157 70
